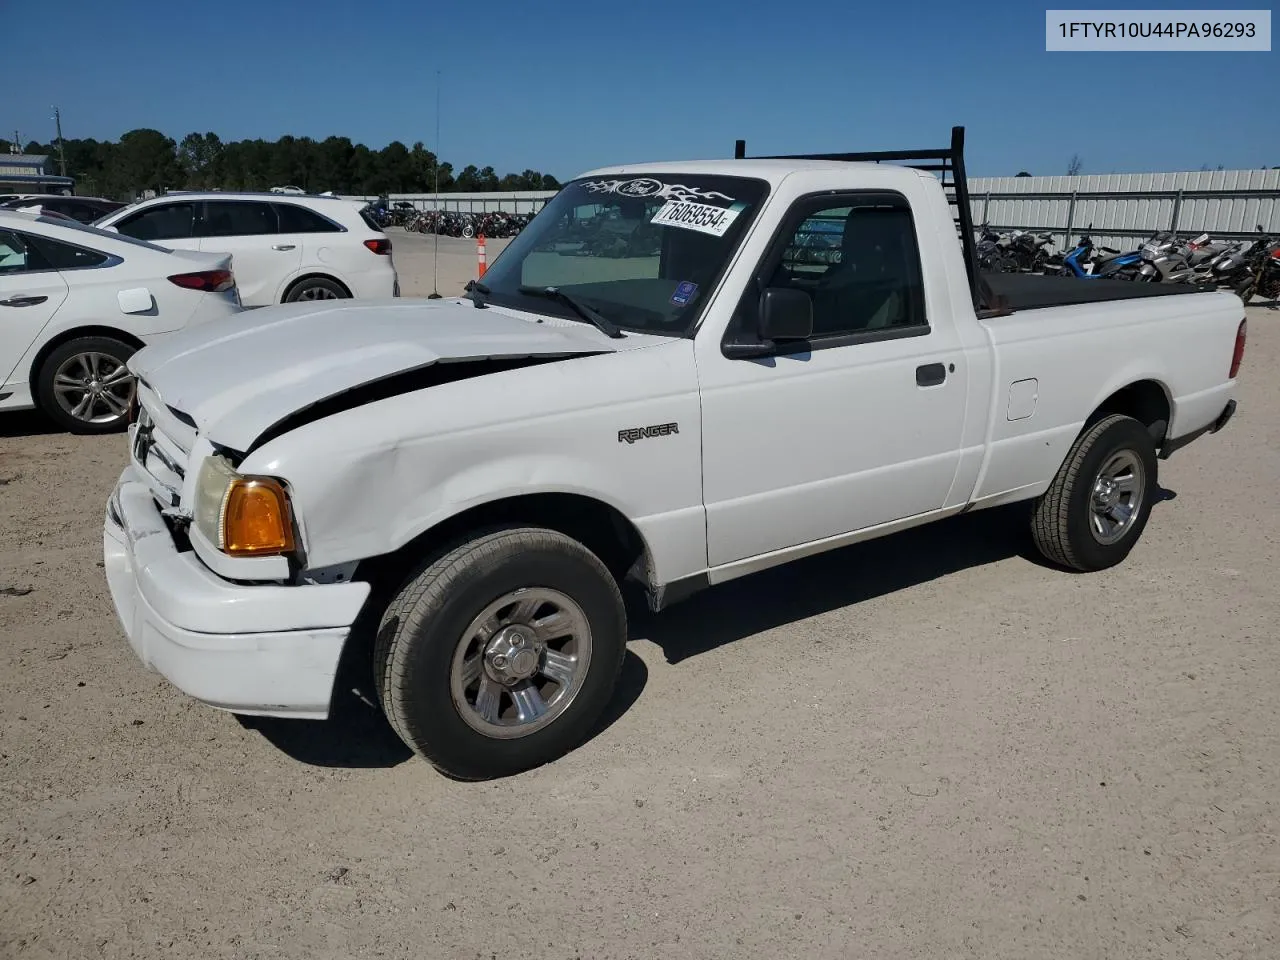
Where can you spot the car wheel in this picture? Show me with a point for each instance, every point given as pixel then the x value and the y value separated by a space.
pixel 1097 506
pixel 316 288
pixel 85 386
pixel 501 654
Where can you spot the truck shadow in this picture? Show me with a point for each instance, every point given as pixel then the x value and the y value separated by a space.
pixel 357 735
pixel 841 578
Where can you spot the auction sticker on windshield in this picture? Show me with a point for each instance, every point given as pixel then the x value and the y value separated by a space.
pixel 703 217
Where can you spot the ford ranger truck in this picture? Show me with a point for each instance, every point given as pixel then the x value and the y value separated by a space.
pixel 678 374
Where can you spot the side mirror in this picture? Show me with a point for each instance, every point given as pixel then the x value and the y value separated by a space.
pixel 785 314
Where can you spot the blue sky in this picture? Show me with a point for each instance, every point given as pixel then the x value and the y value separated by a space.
pixel 566 86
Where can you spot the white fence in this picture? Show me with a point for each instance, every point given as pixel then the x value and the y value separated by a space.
pixel 1125 208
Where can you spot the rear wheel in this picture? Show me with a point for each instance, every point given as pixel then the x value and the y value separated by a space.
pixel 501 654
pixel 316 288
pixel 1245 289
pixel 1097 506
pixel 85 386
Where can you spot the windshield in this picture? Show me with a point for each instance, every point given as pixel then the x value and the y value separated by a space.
pixel 643 252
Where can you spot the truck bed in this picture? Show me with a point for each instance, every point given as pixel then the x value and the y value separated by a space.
pixel 1028 291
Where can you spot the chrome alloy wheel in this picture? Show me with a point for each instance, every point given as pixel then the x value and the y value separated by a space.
pixel 521 662
pixel 94 388
pixel 1116 499
pixel 318 292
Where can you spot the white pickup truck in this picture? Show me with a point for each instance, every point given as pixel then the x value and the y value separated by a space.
pixel 679 373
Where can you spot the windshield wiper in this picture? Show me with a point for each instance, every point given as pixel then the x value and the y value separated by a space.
pixel 603 324
pixel 479 288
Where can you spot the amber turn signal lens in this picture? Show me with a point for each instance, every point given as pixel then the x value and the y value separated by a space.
pixel 256 520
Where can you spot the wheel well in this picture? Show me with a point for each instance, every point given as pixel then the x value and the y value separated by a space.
pixel 75 334
pixel 1145 401
pixel 599 527
pixel 313 276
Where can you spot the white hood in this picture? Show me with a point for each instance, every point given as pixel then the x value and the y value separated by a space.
pixel 238 378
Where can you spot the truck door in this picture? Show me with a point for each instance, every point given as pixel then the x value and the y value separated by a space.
pixel 858 426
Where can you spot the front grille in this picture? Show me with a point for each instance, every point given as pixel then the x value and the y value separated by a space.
pixel 159 454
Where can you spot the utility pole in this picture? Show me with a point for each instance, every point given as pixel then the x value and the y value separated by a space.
pixel 62 153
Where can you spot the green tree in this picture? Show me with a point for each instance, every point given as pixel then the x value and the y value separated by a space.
pixel 395 167
pixel 201 156
pixel 148 160
pixel 332 169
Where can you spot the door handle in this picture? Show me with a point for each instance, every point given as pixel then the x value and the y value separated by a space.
pixel 22 301
pixel 285 246
pixel 930 375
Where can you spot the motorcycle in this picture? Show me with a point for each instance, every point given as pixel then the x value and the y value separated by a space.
pixel 994 255
pixel 1029 251
pixel 1081 262
pixel 1165 260
pixel 1233 265
pixel 1263 277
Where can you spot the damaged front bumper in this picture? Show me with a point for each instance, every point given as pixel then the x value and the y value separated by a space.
pixel 264 649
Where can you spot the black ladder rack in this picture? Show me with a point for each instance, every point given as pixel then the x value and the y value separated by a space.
pixel 948 160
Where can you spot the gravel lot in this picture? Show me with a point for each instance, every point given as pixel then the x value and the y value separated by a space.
pixel 927 746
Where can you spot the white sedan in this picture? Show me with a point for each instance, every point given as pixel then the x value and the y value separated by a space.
pixel 76 302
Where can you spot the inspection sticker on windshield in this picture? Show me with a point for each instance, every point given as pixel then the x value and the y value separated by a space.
pixel 703 217
pixel 685 290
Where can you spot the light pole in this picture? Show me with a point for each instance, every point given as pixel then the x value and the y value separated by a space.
pixel 435 265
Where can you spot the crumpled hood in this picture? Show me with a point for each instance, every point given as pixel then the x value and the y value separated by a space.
pixel 237 378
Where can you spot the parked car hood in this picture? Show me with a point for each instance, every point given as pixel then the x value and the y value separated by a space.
pixel 238 379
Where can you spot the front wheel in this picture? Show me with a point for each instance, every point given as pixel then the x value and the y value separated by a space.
pixel 501 654
pixel 86 386
pixel 1245 289
pixel 1098 504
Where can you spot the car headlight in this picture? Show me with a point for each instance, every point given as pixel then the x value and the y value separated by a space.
pixel 242 516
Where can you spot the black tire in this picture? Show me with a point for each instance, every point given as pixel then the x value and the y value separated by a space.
pixel 1062 522
pixel 424 625
pixel 1245 290
pixel 100 417
pixel 316 288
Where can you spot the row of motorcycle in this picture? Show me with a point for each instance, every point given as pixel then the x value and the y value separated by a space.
pixel 494 225
pixel 1247 267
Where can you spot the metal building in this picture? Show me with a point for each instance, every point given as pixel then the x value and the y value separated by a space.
pixel 31 173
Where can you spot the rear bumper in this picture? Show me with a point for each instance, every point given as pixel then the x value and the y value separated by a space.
pixel 257 649
pixel 1170 447
pixel 375 284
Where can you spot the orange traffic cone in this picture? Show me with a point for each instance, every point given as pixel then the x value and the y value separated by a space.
pixel 481 257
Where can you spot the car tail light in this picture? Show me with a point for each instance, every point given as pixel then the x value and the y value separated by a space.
pixel 210 281
pixel 380 246
pixel 1238 355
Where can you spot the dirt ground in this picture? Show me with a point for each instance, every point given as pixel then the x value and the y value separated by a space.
pixel 930 746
